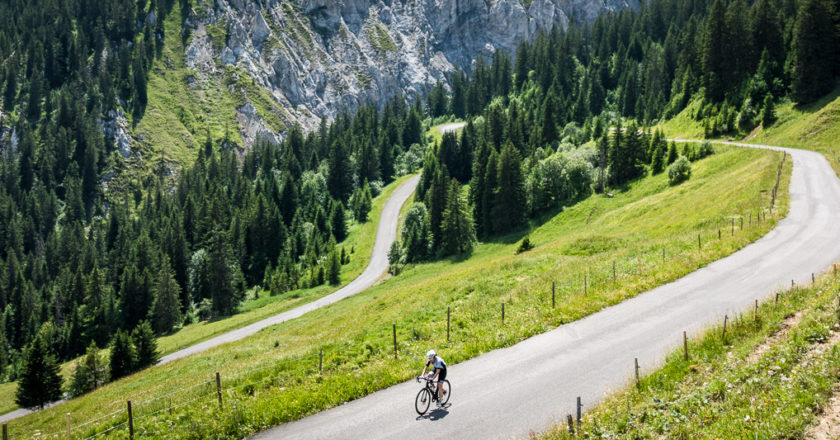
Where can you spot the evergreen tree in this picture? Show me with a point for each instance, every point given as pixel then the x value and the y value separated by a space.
pixel 714 56
pixel 361 203
pixel 123 356
pixel 672 153
pixel 768 113
pixel 549 127
pixel 166 309
pixel 415 235
pixel 813 56
pixel 40 379
pixel 457 230
pixel 145 345
pixel 224 277
pixel 338 222
pixel 90 373
pixel 510 203
pixel 333 269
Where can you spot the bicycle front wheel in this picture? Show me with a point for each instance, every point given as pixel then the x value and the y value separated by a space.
pixel 447 391
pixel 422 402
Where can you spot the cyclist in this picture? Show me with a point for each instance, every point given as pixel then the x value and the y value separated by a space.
pixel 439 370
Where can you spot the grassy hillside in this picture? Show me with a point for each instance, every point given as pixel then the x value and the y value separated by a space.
pixel 814 127
pixel 272 377
pixel 360 239
pixel 771 378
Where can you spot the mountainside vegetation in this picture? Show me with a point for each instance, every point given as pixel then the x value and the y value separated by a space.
pixel 82 264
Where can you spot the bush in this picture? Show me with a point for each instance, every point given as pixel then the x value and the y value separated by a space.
pixel 679 171
pixel 525 245
pixel 705 150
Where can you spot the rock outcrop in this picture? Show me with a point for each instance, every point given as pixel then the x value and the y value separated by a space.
pixel 317 57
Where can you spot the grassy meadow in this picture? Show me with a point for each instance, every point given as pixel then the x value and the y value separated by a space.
pixel 815 126
pixel 272 377
pixel 771 378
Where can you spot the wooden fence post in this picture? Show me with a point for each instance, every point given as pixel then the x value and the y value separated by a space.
pixel 698 241
pixel 718 233
pixel 579 408
pixel 777 299
pixel 685 346
pixel 394 327
pixel 552 294
pixel 447 323
pixel 320 360
pixel 663 254
pixel 639 258
pixel 130 422
pixel 219 388
pixel 613 271
pixel 750 223
pixel 503 313
pixel 585 288
pixel 68 426
pixel 813 279
pixel 725 318
pixel 742 223
pixel 6 431
pixel 733 226
pixel 571 424
pixel 636 361
pixel 755 313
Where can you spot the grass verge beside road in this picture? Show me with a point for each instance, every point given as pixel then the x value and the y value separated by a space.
pixel 273 377
pixel 770 378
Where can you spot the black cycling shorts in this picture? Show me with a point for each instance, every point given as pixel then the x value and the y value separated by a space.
pixel 442 374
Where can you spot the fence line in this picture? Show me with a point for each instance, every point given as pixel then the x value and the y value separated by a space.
pixel 631 265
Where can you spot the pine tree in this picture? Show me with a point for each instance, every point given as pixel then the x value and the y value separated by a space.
pixel 166 309
pixel 145 345
pixel 415 235
pixel 457 230
pixel 123 356
pixel 672 153
pixel 813 56
pixel 768 113
pixel 714 57
pixel 338 221
pixel 90 373
pixel 510 203
pixel 333 268
pixel 549 127
pixel 40 379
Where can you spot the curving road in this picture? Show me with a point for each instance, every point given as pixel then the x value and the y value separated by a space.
pixel 385 235
pixel 509 391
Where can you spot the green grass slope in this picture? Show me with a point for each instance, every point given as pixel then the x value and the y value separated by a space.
pixel 770 378
pixel 815 126
pixel 273 377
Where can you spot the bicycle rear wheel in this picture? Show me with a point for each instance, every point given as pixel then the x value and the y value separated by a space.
pixel 447 391
pixel 422 402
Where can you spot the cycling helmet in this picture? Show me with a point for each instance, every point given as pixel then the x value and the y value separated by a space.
pixel 431 354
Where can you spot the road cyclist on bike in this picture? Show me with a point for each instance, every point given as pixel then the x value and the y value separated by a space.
pixel 438 371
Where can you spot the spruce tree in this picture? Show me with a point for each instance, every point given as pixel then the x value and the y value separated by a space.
pixel 457 230
pixel 672 153
pixel 510 203
pixel 338 221
pixel 713 52
pixel 549 127
pixel 333 268
pixel 90 373
pixel 145 345
pixel 40 379
pixel 123 356
pixel 813 56
pixel 166 309
pixel 415 235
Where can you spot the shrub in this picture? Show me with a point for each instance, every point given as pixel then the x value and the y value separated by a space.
pixel 679 171
pixel 525 245
pixel 705 150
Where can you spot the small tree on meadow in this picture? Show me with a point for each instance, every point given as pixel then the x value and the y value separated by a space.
pixel 679 171
pixel 145 345
pixel 40 380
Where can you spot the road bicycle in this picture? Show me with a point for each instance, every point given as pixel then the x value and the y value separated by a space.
pixel 429 393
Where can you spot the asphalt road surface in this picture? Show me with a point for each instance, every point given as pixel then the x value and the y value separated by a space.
pixel 507 392
pixel 385 235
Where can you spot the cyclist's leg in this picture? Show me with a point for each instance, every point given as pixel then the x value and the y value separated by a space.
pixel 441 377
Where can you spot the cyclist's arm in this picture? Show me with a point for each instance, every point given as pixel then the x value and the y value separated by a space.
pixel 424 370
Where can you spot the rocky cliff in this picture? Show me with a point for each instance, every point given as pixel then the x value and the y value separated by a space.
pixel 312 58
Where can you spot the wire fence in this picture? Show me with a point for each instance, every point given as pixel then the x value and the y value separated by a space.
pixel 245 381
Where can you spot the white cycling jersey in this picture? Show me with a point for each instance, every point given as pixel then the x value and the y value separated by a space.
pixel 438 363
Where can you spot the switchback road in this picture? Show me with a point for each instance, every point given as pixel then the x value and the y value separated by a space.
pixel 506 392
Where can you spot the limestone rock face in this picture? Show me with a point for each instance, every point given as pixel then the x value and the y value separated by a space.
pixel 316 57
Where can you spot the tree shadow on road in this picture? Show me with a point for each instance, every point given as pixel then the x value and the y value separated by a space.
pixel 436 414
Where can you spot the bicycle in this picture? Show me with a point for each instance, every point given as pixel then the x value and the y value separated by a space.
pixel 429 393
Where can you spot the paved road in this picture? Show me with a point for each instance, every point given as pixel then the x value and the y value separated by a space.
pixel 385 235
pixel 506 392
